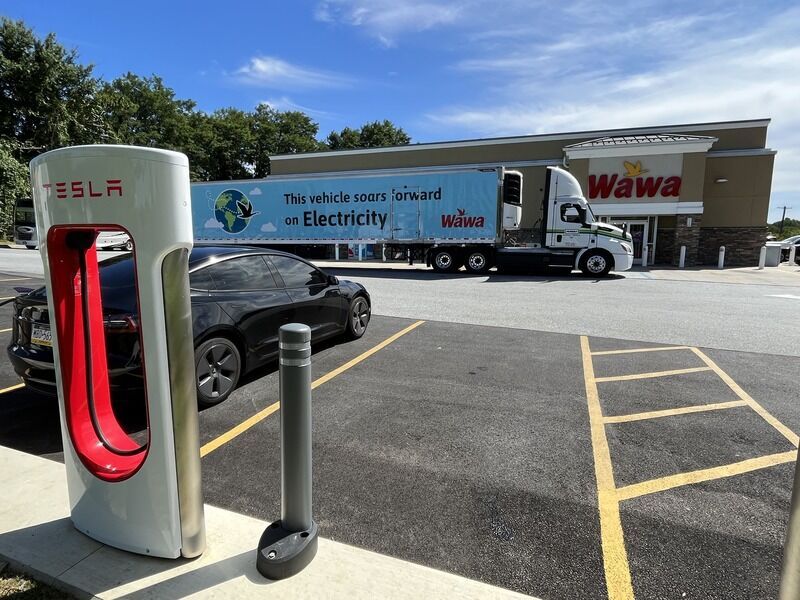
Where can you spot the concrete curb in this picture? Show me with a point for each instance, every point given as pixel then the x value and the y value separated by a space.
pixel 37 537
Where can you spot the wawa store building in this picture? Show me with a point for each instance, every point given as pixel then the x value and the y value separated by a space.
pixel 701 185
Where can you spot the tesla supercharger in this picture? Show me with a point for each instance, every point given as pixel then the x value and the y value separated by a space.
pixel 136 491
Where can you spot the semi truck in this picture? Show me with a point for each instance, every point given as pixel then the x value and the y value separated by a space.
pixel 454 217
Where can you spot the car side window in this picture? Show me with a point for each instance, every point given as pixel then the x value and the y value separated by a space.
pixel 201 280
pixel 296 273
pixel 241 274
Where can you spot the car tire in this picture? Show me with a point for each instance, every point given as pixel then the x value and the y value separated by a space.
pixel 128 246
pixel 218 366
pixel 477 262
pixel 596 263
pixel 358 317
pixel 444 260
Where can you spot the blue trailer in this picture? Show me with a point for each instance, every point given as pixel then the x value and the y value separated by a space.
pixel 454 216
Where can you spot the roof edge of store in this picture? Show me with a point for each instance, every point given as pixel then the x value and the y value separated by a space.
pixel 533 138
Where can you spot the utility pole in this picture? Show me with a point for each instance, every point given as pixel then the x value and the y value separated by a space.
pixel 783 218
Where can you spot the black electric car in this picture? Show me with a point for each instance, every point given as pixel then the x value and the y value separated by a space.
pixel 240 298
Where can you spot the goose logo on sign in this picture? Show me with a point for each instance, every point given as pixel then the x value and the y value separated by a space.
pixel 634 181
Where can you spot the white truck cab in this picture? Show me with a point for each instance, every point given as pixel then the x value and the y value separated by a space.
pixel 571 225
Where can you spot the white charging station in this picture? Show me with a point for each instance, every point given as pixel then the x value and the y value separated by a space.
pixel 137 493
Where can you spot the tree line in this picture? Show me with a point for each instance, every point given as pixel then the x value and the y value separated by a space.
pixel 48 100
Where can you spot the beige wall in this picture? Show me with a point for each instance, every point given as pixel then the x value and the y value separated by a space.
pixel 744 200
pixel 694 172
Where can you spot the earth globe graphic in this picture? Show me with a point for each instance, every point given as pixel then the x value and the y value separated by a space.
pixel 233 210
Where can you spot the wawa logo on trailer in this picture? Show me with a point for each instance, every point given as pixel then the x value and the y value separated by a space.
pixel 462 219
pixel 633 184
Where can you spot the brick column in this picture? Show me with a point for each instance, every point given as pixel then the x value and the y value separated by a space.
pixel 688 236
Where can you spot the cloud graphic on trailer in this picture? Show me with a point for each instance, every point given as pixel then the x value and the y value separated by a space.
pixel 213 224
pixel 269 228
pixel 256 192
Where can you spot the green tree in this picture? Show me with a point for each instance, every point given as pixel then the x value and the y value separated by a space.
pixel 14 183
pixel 47 99
pixel 142 111
pixel 222 147
pixel 280 132
pixel 376 134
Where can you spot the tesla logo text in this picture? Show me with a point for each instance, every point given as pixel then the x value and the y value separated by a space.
pixel 461 219
pixel 633 184
pixel 85 189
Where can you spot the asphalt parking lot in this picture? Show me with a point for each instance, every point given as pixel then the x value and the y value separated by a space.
pixel 480 450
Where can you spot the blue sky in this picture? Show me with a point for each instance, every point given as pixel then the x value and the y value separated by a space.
pixel 451 69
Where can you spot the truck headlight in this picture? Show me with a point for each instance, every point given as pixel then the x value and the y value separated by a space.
pixel 626 247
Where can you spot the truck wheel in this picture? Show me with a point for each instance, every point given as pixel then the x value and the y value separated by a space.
pixel 444 260
pixel 596 263
pixel 477 262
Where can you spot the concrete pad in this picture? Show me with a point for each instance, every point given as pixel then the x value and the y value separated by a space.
pixel 36 536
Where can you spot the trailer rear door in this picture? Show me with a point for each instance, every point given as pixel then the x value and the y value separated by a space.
pixel 405 213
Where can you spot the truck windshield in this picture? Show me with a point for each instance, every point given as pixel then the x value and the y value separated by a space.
pixel 23 215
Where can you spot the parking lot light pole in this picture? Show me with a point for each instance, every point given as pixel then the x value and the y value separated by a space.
pixel 790 575
pixel 288 545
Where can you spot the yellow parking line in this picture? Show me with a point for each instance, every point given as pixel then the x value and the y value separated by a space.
pixel 655 414
pixel 7 298
pixel 615 557
pixel 651 375
pixel 12 388
pixel 263 414
pixel 783 429
pixel 5 330
pixel 634 350
pixel 672 481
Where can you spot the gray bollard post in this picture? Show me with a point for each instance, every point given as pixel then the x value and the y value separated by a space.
pixel 682 259
pixel 792 253
pixel 288 545
pixel 336 252
pixel 721 261
pixel 762 257
pixel 644 257
pixel 790 573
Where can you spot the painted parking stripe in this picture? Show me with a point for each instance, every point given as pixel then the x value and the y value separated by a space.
pixel 263 414
pixel 789 296
pixel 652 375
pixel 16 279
pixel 635 350
pixel 12 388
pixel 5 330
pixel 615 557
pixel 782 429
pixel 670 412
pixel 672 481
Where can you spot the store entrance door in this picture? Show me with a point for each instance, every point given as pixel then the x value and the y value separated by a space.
pixel 638 231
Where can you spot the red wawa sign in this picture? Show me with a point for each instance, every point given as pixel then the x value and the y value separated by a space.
pixel 633 184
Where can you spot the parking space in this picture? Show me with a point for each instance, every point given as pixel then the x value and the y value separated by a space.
pixel 546 463
pixel 694 484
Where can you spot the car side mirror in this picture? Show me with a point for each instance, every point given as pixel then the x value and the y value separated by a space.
pixel 333 280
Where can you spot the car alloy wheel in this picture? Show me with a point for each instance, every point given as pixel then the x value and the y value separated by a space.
pixel 218 367
pixel 359 317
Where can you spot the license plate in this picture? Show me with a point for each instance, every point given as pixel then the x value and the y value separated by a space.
pixel 42 336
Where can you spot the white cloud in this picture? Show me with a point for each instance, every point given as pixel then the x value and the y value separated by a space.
pixel 212 224
pixel 269 228
pixel 284 103
pixel 713 66
pixel 255 192
pixel 388 20
pixel 273 72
